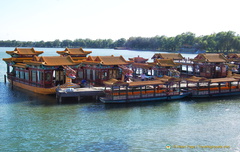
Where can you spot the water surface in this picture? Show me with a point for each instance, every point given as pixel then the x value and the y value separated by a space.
pixel 33 122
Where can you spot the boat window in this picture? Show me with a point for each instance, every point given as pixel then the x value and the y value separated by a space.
pixel 26 75
pixel 17 73
pixel 48 77
pixel 80 74
pixel 34 74
pixel 21 74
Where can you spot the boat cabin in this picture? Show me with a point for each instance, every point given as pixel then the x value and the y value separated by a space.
pixel 97 69
pixel 176 57
pixel 203 87
pixel 165 67
pixel 118 91
pixel 234 58
pixel 76 53
pixel 210 65
pixel 138 59
pixel 18 55
pixel 30 69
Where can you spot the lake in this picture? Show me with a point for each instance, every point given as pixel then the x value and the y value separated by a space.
pixel 34 122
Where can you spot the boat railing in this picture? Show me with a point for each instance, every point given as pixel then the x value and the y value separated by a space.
pixel 215 91
pixel 122 94
pixel 27 82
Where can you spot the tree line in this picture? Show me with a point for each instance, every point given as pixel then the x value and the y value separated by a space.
pixel 217 42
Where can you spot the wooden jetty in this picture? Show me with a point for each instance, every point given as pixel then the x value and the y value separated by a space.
pixel 94 92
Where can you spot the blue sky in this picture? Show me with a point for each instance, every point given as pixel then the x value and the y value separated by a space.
pixel 35 20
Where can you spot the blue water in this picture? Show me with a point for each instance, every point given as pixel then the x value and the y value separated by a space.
pixel 33 122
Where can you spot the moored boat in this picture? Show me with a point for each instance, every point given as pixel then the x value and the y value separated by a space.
pixel 25 69
pixel 202 87
pixel 141 91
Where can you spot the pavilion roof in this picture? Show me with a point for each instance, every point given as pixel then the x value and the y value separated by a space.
pixel 165 62
pixel 74 51
pixel 24 51
pixel 138 59
pixel 106 60
pixel 210 57
pixel 174 56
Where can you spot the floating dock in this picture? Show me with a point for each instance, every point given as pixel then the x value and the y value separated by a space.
pixel 94 92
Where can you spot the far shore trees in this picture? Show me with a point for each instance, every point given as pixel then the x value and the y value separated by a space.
pixel 222 42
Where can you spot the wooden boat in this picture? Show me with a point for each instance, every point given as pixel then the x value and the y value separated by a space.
pixel 202 87
pixel 40 74
pixel 143 98
pixel 141 91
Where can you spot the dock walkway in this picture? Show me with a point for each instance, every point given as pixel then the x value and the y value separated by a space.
pixel 79 93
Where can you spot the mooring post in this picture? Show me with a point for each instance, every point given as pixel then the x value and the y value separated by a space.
pixel 57 97
pixel 5 79
pixel 12 82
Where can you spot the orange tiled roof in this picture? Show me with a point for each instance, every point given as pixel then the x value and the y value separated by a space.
pixel 165 62
pixel 138 59
pixel 24 51
pixel 107 60
pixel 174 56
pixel 20 65
pixel 74 51
pixel 210 57
pixel 15 59
pixel 53 61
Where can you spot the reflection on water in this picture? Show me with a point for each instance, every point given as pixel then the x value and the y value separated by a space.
pixel 33 122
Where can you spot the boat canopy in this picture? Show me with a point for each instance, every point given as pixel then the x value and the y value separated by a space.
pixel 114 82
pixel 166 78
pixel 197 79
pixel 144 83
pixel 219 80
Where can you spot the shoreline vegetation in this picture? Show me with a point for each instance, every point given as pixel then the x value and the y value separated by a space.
pixel 222 42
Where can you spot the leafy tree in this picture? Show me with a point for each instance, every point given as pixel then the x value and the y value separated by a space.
pixel 217 42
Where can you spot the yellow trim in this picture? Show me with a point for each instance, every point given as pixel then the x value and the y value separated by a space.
pixel 35 89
